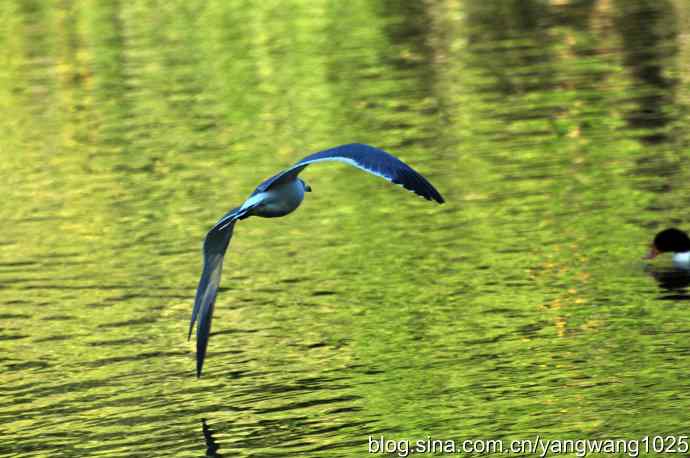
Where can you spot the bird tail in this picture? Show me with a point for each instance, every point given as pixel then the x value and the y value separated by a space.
pixel 215 246
pixel 234 215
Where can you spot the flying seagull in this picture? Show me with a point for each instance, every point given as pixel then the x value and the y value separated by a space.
pixel 278 196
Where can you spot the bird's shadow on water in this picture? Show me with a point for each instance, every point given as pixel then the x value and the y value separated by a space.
pixel 212 446
pixel 673 282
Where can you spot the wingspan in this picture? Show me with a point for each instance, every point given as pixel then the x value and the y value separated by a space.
pixel 215 246
pixel 367 158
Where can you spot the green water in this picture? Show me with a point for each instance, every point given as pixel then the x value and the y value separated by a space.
pixel 557 132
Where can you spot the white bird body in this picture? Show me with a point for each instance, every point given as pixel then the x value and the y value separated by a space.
pixel 682 260
pixel 279 200
pixel 278 196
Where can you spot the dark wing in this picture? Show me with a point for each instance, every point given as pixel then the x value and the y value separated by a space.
pixel 367 158
pixel 215 246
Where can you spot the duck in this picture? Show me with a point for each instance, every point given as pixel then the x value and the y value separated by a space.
pixel 279 196
pixel 674 241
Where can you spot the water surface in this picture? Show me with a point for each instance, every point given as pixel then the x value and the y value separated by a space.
pixel 556 131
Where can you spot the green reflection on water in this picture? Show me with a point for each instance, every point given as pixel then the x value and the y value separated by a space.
pixel 556 131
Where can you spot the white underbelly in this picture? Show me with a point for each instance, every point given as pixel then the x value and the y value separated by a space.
pixel 279 200
pixel 682 260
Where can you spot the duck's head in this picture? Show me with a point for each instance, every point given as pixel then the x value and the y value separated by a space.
pixel 306 187
pixel 669 240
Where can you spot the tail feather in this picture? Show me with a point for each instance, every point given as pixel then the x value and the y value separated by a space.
pixel 233 215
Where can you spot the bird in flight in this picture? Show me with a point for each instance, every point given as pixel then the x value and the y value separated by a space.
pixel 278 196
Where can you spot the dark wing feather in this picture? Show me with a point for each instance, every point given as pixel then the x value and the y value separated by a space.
pixel 215 246
pixel 367 158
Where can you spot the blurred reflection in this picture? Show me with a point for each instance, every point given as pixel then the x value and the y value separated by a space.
pixel 409 25
pixel 211 446
pixel 674 281
pixel 577 14
pixel 649 31
pixel 130 125
pixel 510 37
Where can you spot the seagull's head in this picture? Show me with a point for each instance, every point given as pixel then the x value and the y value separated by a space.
pixel 306 187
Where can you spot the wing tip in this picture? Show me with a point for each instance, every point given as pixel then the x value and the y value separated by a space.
pixel 432 193
pixel 413 181
pixel 437 195
pixel 200 356
pixel 191 329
